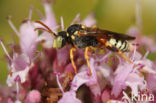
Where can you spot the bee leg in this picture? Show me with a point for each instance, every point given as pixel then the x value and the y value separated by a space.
pixel 72 59
pixel 124 56
pixel 87 49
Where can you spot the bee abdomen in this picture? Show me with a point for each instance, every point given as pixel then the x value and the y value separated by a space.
pixel 116 45
pixel 124 47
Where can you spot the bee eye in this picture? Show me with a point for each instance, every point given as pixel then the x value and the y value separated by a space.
pixel 63 41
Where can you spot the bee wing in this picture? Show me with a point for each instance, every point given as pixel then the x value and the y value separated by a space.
pixel 117 35
pixel 107 34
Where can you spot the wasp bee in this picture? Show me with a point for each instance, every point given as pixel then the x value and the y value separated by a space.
pixel 80 36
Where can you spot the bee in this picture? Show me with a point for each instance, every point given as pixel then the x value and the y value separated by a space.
pixel 80 36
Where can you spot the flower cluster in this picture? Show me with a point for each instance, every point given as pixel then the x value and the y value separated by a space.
pixel 47 75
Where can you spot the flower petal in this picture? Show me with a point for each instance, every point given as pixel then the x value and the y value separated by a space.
pixel 50 18
pixel 20 62
pixel 135 82
pixel 28 38
pixel 151 81
pixel 22 75
pixel 33 96
pixel 83 77
pixel 89 20
pixel 147 65
pixel 119 82
pixel 62 59
pixel 46 40
pixel 69 97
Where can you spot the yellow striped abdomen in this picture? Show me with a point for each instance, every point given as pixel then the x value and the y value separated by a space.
pixel 117 45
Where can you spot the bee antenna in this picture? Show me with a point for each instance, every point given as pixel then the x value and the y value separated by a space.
pixel 47 28
pixel 42 29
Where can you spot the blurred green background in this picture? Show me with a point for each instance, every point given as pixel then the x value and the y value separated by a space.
pixel 115 15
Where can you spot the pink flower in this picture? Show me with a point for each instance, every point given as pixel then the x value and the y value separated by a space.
pixel 151 81
pixel 111 74
pixel 49 19
pixel 131 74
pixel 17 101
pixel 119 82
pixel 106 94
pixel 5 93
pixel 22 75
pixel 33 96
pixel 20 65
pixel 45 38
pixel 10 100
pixel 20 62
pixel 83 77
pixel 35 78
pixel 91 81
pixel 89 20
pixel 103 68
pixel 142 40
pixel 62 59
pixel 136 82
pixel 69 68
pixel 69 97
pixel 28 38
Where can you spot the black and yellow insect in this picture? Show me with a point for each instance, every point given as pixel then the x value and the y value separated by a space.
pixel 80 36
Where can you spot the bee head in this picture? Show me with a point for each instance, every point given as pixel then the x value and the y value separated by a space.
pixel 60 40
